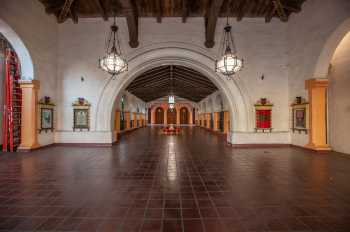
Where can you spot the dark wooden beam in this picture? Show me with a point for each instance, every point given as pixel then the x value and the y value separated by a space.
pixel 74 11
pixel 52 9
pixel 270 13
pixel 158 10
pixel 280 10
pixel 102 8
pixel 245 8
pixel 240 10
pixel 131 14
pixel 65 11
pixel 211 20
pixel 185 10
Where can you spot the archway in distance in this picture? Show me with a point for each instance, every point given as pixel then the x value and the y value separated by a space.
pixel 180 54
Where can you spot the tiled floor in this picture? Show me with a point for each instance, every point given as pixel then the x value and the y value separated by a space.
pixel 192 182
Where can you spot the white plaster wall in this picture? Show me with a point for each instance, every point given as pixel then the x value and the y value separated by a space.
pixel 215 99
pixel 262 45
pixel 339 98
pixel 38 31
pixel 308 37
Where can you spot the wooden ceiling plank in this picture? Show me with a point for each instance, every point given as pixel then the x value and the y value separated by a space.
pixel 211 20
pixel 191 85
pixel 197 76
pixel 149 78
pixel 193 82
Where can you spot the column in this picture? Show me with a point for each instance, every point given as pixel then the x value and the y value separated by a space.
pixel 216 120
pixel 127 121
pixel 317 90
pixel 226 122
pixel 29 136
pixel 165 116
pixel 117 124
pixel 178 116
pixel 134 122
pixel 190 118
pixel 153 116
pixel 208 120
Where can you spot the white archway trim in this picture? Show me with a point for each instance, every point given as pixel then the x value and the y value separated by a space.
pixel 27 68
pixel 236 97
pixel 322 65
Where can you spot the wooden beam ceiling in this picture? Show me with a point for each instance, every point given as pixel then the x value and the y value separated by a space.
pixel 164 80
pixel 210 10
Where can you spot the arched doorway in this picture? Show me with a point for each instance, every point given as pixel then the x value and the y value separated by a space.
pixel 338 97
pixel 171 116
pixel 332 64
pixel 187 55
pixel 11 97
pixel 184 116
pixel 159 116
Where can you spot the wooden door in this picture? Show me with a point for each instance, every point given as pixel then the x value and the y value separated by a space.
pixel 171 116
pixel 159 116
pixel 183 115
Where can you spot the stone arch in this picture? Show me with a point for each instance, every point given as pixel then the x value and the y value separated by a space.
pixel 174 54
pixel 327 52
pixel 27 67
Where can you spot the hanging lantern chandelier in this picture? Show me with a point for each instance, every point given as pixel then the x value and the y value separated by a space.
pixel 113 61
pixel 171 98
pixel 229 64
pixel 171 101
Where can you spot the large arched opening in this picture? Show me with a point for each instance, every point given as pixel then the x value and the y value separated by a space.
pixel 15 65
pixel 27 67
pixel 333 63
pixel 145 59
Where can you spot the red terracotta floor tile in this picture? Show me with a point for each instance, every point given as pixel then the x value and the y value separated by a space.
pixel 192 182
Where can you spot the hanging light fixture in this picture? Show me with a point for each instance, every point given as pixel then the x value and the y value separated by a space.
pixel 229 64
pixel 113 61
pixel 171 98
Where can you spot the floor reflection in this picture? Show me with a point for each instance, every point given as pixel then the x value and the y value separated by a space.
pixel 191 182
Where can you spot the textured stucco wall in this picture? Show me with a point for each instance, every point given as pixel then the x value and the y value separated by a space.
pixel 38 31
pixel 263 46
pixel 286 53
pixel 309 33
pixel 339 98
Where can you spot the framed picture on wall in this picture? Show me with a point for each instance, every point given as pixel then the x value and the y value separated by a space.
pixel 81 119
pixel 299 118
pixel 300 115
pixel 46 119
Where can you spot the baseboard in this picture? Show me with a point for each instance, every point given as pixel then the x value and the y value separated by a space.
pixel 37 148
pixel 83 144
pixel 252 146
pixel 308 149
